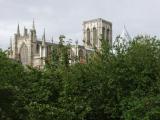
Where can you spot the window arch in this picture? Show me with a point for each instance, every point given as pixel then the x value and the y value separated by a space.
pixel 37 48
pixel 103 32
pixel 107 34
pixel 88 36
pixel 94 36
pixel 24 54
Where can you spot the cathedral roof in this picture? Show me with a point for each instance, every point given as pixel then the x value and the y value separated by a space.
pixel 47 43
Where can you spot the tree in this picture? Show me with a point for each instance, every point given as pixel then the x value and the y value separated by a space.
pixel 108 87
pixel 11 101
pixel 121 82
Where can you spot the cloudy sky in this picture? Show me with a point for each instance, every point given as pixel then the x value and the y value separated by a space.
pixel 66 16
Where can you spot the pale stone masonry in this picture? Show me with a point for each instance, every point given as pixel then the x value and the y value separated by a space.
pixel 93 31
pixel 30 50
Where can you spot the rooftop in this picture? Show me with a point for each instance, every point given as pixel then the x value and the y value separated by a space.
pixel 98 20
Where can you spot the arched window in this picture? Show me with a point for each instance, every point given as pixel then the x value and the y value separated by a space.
pixel 103 32
pixel 37 48
pixel 107 34
pixel 24 54
pixel 88 36
pixel 94 36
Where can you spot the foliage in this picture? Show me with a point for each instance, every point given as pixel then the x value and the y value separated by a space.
pixel 121 82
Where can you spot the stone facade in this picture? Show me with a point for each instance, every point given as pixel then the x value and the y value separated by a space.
pixel 30 50
pixel 77 54
pixel 94 30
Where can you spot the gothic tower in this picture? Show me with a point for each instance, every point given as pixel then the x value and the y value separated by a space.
pixel 28 49
pixel 94 30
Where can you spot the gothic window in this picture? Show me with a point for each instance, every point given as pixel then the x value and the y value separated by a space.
pixel 107 34
pixel 24 54
pixel 32 35
pixel 37 48
pixel 94 36
pixel 88 36
pixel 103 32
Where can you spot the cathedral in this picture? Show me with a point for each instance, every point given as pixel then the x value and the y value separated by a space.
pixel 30 50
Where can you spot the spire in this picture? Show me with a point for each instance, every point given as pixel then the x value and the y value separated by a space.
pixel 43 38
pixel 44 35
pixel 25 31
pixel 33 25
pixel 125 35
pixel 18 30
pixel 11 43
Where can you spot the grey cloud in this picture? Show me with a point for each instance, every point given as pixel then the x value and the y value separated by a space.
pixel 66 16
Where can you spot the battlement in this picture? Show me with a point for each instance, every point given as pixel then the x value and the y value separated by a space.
pixel 98 20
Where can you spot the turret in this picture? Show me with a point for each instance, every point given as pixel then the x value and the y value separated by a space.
pixel 76 48
pixel 33 33
pixel 25 32
pixel 43 53
pixel 43 39
pixel 33 26
pixel 18 31
pixel 15 47
pixel 11 44
pixel 10 48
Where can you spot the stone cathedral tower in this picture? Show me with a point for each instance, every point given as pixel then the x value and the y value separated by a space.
pixel 93 31
pixel 28 49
